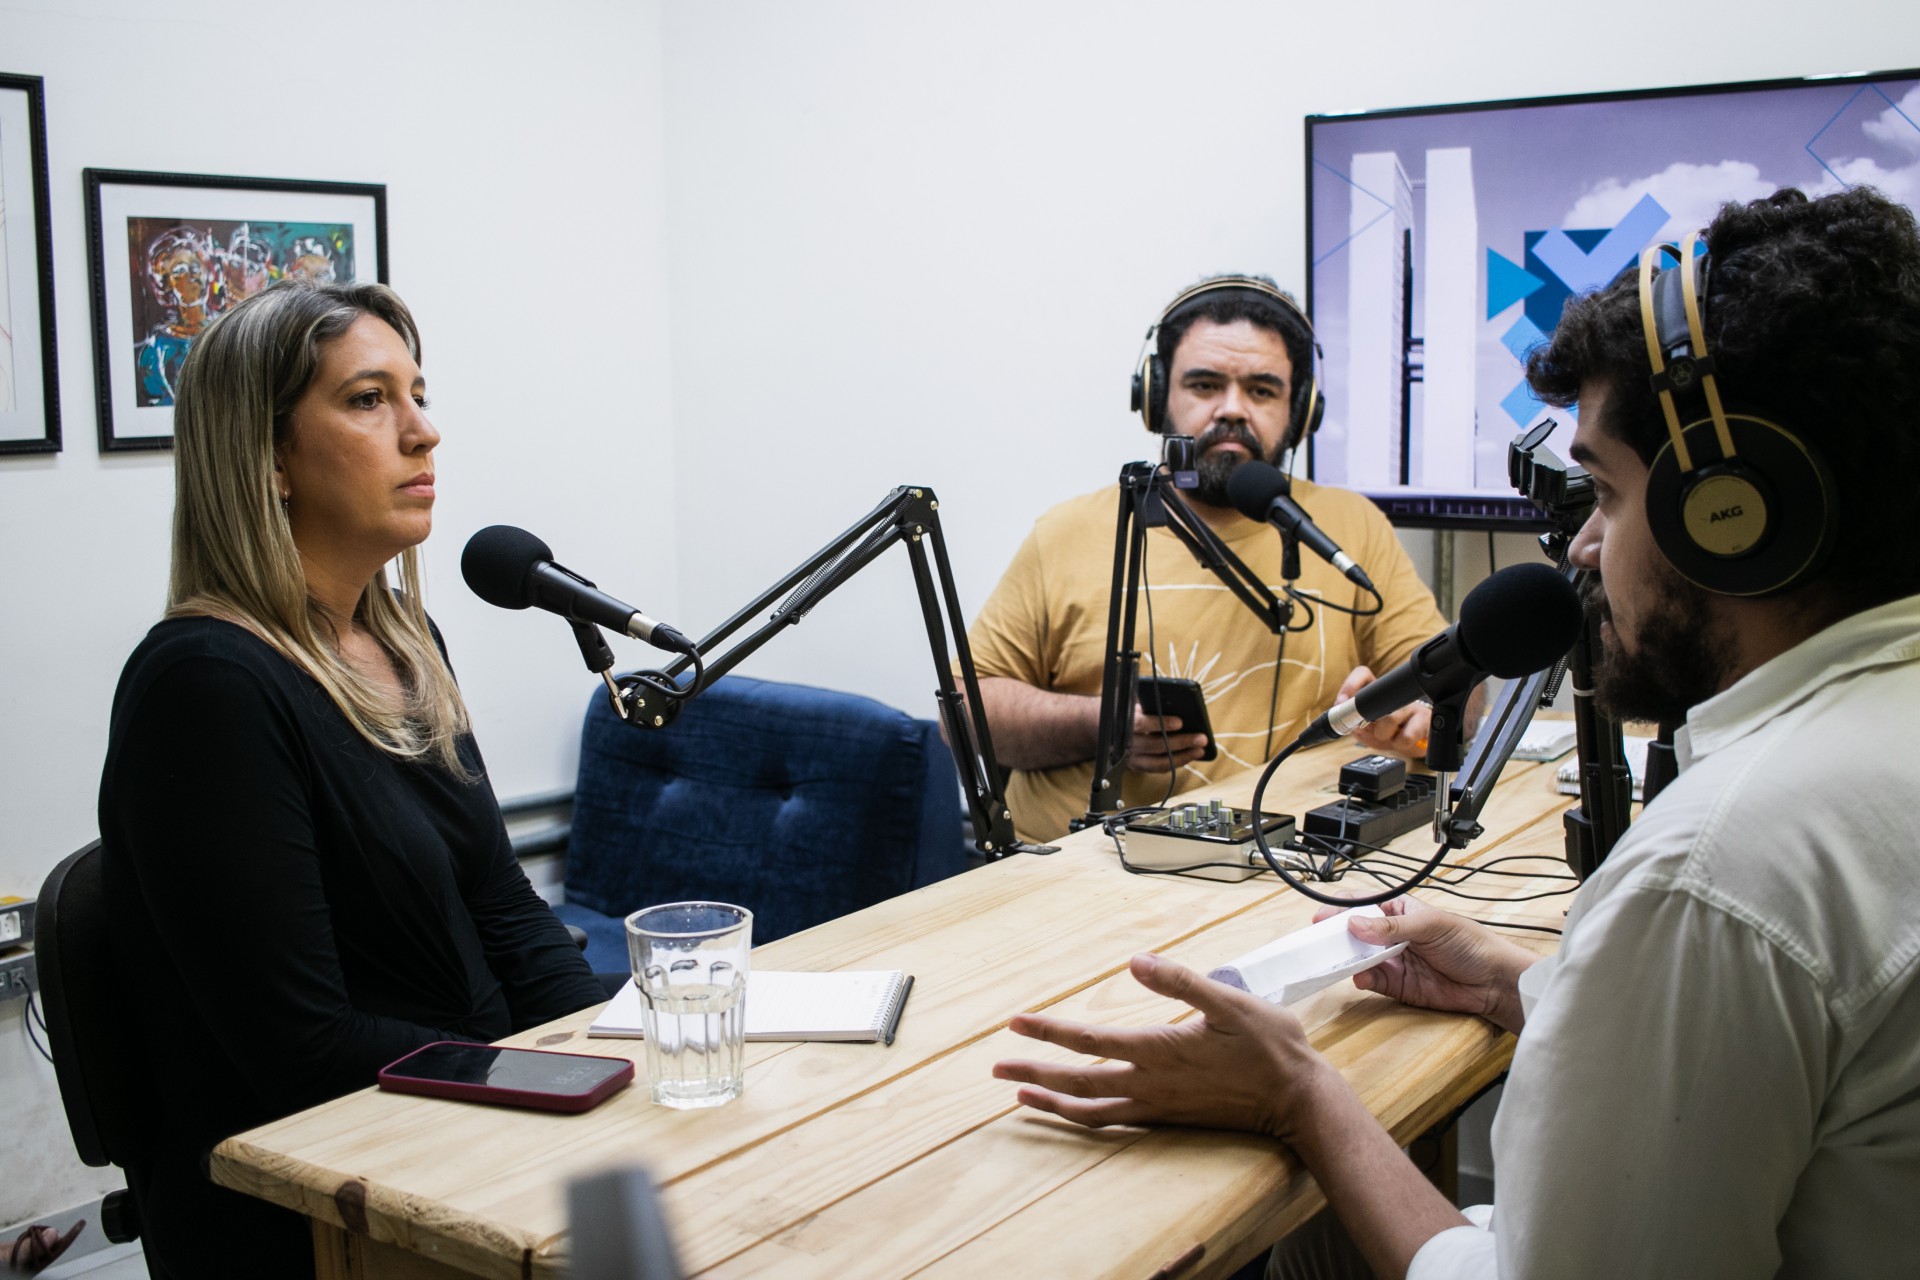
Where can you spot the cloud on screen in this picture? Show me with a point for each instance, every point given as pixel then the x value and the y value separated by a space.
pixel 1897 175
pixel 1690 193
pixel 1895 126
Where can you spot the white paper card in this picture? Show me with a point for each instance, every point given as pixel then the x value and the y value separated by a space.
pixel 1545 740
pixel 842 1005
pixel 1302 962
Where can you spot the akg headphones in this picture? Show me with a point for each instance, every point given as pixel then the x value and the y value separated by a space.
pixel 1738 505
pixel 1305 410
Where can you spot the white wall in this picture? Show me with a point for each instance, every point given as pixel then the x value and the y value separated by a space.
pixel 921 242
pixel 897 243
pixel 521 146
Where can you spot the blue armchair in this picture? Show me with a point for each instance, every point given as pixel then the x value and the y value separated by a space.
pixel 799 804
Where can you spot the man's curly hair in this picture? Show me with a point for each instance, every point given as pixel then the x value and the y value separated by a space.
pixel 1813 319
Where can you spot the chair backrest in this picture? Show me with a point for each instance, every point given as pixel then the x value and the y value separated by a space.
pixel 800 804
pixel 85 992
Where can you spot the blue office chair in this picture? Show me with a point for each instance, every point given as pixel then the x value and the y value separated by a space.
pixel 799 804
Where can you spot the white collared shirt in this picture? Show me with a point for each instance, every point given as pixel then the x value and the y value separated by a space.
pixel 1720 1072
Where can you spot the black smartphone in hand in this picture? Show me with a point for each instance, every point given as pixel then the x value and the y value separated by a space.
pixel 1181 700
pixel 537 1078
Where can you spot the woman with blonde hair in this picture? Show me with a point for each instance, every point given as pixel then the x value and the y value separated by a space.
pixel 304 863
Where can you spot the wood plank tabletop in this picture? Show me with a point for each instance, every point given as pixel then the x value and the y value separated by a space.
pixel 910 1159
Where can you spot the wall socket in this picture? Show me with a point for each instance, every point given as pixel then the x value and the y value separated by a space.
pixel 18 977
pixel 16 922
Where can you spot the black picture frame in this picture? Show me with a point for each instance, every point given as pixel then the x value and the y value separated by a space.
pixel 166 252
pixel 29 363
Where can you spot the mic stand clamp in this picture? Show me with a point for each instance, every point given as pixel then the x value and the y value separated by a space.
pixel 599 660
pixel 1289 558
pixel 908 515
pixel 644 709
pixel 1446 743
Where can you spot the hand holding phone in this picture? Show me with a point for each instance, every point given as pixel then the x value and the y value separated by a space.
pixel 537 1078
pixel 1181 700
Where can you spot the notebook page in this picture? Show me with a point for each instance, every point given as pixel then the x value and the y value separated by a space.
pixel 848 1005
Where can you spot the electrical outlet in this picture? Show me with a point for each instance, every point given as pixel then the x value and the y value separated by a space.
pixel 18 978
pixel 16 922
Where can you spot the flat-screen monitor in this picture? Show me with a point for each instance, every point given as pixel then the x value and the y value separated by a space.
pixel 1443 241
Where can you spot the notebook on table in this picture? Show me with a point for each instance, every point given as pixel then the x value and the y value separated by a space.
pixel 1634 746
pixel 1544 739
pixel 853 1006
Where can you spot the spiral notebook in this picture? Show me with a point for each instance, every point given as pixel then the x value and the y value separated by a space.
pixel 1634 746
pixel 853 1006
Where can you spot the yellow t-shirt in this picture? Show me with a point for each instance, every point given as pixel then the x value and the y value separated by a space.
pixel 1046 624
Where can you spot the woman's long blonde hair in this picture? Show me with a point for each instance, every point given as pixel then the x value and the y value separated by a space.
pixel 233 551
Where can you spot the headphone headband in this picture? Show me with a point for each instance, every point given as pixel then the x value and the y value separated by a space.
pixel 1306 406
pixel 1253 284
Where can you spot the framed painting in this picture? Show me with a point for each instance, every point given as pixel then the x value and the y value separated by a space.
pixel 169 252
pixel 29 382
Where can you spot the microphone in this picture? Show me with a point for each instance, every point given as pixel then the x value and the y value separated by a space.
pixel 511 568
pixel 1261 491
pixel 1519 621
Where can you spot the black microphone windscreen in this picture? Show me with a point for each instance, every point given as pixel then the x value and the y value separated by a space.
pixel 1519 621
pixel 1253 485
pixel 498 564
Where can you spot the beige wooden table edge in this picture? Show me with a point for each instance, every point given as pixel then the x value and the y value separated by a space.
pixel 362 1228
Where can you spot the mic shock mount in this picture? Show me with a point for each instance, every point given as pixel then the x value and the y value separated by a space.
pixel 909 515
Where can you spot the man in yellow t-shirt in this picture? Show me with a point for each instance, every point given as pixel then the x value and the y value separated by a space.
pixel 1233 359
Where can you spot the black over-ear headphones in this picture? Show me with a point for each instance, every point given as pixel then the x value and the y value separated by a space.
pixel 1305 409
pixel 1739 506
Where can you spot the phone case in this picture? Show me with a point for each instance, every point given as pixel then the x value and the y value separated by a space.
pixel 1167 696
pixel 394 1078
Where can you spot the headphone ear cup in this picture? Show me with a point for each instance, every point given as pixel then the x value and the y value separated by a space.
pixel 1306 417
pixel 1150 393
pixel 1751 527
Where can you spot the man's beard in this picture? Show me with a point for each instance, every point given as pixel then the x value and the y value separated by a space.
pixel 1681 658
pixel 1215 465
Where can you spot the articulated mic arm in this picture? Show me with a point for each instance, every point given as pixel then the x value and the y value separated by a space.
pixel 651 700
pixel 1564 494
pixel 1148 499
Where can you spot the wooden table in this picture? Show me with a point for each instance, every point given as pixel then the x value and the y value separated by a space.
pixel 865 1160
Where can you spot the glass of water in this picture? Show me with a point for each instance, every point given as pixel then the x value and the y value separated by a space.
pixel 690 964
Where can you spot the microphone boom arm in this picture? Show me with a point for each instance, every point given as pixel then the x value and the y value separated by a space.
pixel 1563 494
pixel 1148 499
pixel 909 515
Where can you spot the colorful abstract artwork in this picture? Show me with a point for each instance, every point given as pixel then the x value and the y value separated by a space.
pixel 184 272
pixel 169 253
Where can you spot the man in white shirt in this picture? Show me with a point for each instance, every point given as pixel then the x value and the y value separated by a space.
pixel 1719 1073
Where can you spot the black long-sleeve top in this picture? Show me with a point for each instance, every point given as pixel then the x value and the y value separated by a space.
pixel 294 907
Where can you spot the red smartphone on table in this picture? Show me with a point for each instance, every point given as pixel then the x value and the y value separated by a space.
pixel 538 1078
